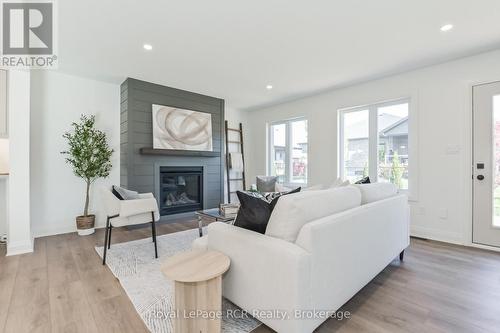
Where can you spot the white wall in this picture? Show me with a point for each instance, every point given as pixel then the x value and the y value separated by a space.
pixel 57 100
pixel 3 206
pixel 4 168
pixel 20 237
pixel 441 102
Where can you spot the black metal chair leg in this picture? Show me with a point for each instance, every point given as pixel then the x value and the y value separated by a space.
pixel 153 227
pixel 105 242
pixel 109 239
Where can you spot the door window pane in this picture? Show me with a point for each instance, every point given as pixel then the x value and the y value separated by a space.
pixel 278 151
pixel 496 152
pixel 356 146
pixel 299 151
pixel 392 124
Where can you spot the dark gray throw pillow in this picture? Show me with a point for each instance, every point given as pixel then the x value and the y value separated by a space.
pixel 254 212
pixel 365 180
pixel 266 183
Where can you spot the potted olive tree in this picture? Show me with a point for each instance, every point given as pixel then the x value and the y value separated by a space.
pixel 89 156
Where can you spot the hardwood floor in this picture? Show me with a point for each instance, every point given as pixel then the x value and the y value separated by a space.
pixel 62 287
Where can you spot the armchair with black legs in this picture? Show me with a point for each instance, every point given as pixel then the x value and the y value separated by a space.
pixel 121 213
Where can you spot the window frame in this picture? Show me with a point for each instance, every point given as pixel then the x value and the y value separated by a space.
pixel 374 144
pixel 288 149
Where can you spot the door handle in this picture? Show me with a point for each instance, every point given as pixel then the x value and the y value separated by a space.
pixel 480 177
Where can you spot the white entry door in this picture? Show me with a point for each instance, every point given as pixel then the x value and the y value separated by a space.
pixel 486 169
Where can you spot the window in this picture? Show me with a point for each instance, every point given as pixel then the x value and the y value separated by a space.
pixel 288 151
pixel 374 142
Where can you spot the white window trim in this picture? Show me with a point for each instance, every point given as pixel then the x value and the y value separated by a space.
pixel 412 191
pixel 288 146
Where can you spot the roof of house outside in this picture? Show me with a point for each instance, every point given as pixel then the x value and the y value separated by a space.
pixel 391 124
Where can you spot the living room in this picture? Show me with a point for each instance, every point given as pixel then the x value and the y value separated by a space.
pixel 250 167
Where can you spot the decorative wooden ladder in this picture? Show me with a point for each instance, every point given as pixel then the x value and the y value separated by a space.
pixel 228 158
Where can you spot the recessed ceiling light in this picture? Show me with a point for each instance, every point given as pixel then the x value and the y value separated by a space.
pixel 269 87
pixel 148 47
pixel 447 27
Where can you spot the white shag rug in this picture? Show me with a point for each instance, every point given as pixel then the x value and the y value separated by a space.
pixel 151 293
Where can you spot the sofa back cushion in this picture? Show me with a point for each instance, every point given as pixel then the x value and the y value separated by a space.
pixel 295 210
pixel 376 191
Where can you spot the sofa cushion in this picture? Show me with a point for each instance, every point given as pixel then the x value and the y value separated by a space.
pixel 376 191
pixel 339 182
pixel 294 211
pixel 255 211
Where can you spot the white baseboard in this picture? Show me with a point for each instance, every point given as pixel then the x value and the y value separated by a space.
pixel 20 247
pixel 437 235
pixel 59 231
pixel 54 231
pixel 484 247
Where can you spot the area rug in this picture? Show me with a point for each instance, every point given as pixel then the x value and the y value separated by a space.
pixel 151 293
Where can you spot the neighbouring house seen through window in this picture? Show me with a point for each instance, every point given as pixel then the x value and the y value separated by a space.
pixel 374 142
pixel 288 151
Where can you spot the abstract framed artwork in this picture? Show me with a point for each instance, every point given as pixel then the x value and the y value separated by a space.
pixel 181 129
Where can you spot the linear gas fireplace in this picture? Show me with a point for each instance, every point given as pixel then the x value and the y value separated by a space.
pixel 181 189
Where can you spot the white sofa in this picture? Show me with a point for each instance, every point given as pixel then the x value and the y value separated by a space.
pixel 331 259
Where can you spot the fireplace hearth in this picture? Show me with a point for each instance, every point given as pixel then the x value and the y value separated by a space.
pixel 181 189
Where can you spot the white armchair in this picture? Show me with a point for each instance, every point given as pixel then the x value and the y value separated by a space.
pixel 122 213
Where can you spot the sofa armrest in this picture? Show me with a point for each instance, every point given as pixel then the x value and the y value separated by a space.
pixel 137 206
pixel 350 248
pixel 265 272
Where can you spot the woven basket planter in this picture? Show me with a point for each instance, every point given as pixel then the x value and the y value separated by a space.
pixel 85 224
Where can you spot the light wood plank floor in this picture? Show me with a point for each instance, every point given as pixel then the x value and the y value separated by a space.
pixel 62 287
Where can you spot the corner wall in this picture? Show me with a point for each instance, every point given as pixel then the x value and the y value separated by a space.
pixel 441 102
pixel 57 100
pixel 19 229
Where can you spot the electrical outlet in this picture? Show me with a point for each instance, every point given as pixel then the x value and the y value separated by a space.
pixel 443 213
pixel 452 149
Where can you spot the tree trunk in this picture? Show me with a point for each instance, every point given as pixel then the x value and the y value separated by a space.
pixel 86 210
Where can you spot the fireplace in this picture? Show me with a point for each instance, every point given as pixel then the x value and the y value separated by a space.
pixel 181 189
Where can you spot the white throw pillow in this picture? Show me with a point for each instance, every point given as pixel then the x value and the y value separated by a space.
pixel 376 191
pixel 295 210
pixel 281 188
pixel 339 183
pixel 314 188
pixel 126 194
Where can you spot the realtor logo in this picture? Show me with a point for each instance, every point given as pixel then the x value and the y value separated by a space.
pixel 28 30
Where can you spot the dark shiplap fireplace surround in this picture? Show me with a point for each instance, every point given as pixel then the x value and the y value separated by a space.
pixel 141 166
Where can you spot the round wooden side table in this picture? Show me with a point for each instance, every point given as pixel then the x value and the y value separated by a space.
pixel 198 289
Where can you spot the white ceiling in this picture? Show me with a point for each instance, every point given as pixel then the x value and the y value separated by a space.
pixel 232 49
